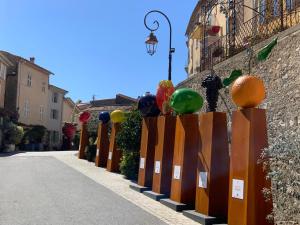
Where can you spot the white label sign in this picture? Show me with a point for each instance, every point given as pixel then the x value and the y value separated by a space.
pixel 157 167
pixel 110 155
pixel 142 163
pixel 238 189
pixel 202 180
pixel 176 174
pixel 98 152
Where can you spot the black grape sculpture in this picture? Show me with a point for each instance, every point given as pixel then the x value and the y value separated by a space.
pixel 213 84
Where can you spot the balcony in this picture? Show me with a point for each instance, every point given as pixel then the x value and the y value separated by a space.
pixel 255 30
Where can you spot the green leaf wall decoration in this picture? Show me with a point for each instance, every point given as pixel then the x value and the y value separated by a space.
pixel 233 76
pixel 264 53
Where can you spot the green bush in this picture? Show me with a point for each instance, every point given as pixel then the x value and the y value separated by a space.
pixel 129 165
pixel 76 140
pixel 92 124
pixel 14 134
pixel 129 140
pixel 35 134
pixel 90 153
pixel 91 150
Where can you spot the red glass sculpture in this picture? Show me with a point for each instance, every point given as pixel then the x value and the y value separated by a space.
pixel 164 92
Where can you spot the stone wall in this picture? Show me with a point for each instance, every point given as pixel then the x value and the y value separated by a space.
pixel 280 73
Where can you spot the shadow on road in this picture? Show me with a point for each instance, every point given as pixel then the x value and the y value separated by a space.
pixel 7 154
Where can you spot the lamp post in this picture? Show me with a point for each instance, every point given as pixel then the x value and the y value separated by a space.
pixel 151 41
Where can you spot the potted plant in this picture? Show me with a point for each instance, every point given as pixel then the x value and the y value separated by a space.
pixel 13 137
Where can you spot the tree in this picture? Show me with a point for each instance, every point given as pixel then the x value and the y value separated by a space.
pixel 129 140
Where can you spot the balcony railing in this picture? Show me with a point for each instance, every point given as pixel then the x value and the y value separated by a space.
pixel 259 28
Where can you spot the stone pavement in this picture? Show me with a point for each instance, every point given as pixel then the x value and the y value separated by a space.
pixel 140 210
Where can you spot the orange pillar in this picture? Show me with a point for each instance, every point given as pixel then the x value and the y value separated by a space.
pixel 247 205
pixel 163 158
pixel 114 154
pixel 213 170
pixel 148 141
pixel 184 171
pixel 83 141
pixel 102 145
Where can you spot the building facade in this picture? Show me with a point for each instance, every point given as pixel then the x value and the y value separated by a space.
pixel 55 116
pixel 27 90
pixel 29 93
pixel 217 30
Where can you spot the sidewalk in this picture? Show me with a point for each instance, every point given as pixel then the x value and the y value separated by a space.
pixel 120 186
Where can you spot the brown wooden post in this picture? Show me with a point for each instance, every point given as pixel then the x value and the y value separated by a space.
pixel 84 139
pixel 184 170
pixel 102 145
pixel 213 170
pixel 114 154
pixel 148 140
pixel 247 205
pixel 163 158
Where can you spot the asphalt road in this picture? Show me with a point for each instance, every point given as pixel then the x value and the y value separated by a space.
pixel 44 191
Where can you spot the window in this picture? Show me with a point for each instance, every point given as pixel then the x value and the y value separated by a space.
pixel 42 111
pixel 289 5
pixel 44 87
pixel 55 97
pixel 262 10
pixel 26 108
pixel 276 7
pixel 29 78
pixel 54 114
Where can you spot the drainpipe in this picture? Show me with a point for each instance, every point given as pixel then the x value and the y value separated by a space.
pixel 18 86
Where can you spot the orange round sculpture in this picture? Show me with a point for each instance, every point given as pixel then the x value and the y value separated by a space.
pixel 248 91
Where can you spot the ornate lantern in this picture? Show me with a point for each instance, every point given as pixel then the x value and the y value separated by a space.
pixel 151 44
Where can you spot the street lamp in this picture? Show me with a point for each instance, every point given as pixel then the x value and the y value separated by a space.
pixel 151 41
pixel 151 44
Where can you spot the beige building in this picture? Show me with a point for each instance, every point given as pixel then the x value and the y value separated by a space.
pixel 195 34
pixel 240 23
pixel 27 90
pixel 202 44
pixel 55 116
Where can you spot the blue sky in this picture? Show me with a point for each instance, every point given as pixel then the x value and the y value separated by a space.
pixel 96 47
